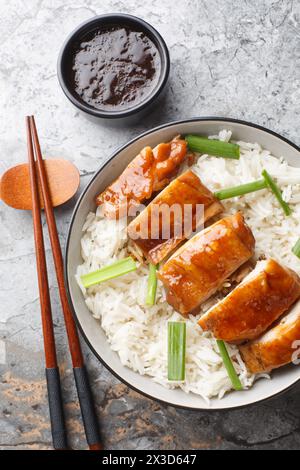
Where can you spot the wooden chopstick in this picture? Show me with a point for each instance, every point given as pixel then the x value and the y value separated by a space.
pixel 58 427
pixel 81 378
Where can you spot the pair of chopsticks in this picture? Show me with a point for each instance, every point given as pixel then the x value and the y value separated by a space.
pixel 58 428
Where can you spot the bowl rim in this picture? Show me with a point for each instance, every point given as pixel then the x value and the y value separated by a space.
pixel 106 18
pixel 66 251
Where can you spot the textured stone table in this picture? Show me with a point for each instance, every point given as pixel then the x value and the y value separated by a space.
pixel 229 58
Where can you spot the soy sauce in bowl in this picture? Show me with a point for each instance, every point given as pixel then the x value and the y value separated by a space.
pixel 113 66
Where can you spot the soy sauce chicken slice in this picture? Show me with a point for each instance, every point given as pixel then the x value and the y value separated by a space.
pixel 149 172
pixel 277 347
pixel 172 216
pixel 200 267
pixel 255 304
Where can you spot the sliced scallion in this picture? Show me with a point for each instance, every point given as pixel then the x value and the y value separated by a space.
pixel 277 192
pixel 176 350
pixel 296 249
pixel 236 383
pixel 241 189
pixel 213 147
pixel 152 285
pixel 117 269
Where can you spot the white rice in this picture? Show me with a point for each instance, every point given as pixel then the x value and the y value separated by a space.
pixel 139 333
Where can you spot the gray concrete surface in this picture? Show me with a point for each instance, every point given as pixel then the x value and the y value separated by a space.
pixel 229 58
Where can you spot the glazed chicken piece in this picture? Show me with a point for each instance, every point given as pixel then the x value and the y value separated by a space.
pixel 276 348
pixel 263 296
pixel 164 223
pixel 199 268
pixel 148 173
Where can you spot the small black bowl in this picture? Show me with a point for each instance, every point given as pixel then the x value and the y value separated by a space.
pixel 64 65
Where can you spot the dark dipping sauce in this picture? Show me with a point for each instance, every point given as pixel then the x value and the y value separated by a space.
pixel 115 68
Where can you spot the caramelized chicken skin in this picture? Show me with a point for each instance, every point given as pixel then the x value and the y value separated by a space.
pixel 199 268
pixel 277 347
pixel 185 190
pixel 150 171
pixel 263 296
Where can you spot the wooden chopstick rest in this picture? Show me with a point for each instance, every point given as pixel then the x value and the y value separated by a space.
pixel 63 179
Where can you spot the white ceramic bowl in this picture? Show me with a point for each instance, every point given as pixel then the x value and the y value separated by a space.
pixel 91 329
